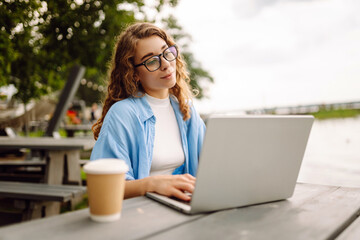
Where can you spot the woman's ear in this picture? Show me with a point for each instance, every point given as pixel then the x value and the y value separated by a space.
pixel 136 77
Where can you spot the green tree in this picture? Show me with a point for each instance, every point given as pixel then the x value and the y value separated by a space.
pixel 41 40
pixel 23 62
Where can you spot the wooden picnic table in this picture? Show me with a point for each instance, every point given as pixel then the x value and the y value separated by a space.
pixel 36 200
pixel 63 154
pixel 314 212
pixel 71 129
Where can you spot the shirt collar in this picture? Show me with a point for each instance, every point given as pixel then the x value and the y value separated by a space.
pixel 146 112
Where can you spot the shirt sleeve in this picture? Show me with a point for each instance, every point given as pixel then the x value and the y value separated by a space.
pixel 116 138
pixel 201 134
pixel 196 133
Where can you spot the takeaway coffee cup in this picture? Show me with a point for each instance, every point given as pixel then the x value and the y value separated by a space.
pixel 105 185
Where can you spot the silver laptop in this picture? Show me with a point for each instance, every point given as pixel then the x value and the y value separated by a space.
pixel 246 160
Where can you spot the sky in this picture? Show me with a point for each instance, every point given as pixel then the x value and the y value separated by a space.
pixel 268 53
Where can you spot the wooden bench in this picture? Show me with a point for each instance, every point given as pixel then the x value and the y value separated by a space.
pixel 38 200
pixel 22 170
pixel 26 170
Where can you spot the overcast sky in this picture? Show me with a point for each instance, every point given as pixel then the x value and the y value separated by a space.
pixel 266 53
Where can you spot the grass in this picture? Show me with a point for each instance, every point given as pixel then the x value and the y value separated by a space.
pixel 81 205
pixel 40 133
pixel 83 175
pixel 336 113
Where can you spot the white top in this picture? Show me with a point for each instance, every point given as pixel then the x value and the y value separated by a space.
pixel 168 152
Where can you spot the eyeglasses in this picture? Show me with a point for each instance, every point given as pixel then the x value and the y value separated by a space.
pixel 154 63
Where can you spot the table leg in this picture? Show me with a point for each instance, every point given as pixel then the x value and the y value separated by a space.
pixel 55 167
pixel 39 209
pixel 51 208
pixel 73 166
pixel 33 210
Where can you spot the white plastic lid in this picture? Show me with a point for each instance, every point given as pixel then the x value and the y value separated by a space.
pixel 106 166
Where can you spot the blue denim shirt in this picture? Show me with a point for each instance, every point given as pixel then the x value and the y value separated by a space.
pixel 128 133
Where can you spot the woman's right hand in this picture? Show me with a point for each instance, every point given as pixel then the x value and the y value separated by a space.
pixel 172 185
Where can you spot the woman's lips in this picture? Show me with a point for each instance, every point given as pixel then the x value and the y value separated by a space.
pixel 167 76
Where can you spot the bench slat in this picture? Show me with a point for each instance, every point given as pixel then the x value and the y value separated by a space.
pixel 45 191
pixel 43 186
pixel 38 191
pixel 34 196
pixel 22 163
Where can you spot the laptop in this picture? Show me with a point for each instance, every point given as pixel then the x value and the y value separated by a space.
pixel 246 160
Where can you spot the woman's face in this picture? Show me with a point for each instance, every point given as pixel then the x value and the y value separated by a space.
pixel 156 83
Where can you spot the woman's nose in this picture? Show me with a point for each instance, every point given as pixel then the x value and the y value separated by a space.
pixel 164 63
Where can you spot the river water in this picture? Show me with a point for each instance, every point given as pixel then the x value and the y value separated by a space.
pixel 332 156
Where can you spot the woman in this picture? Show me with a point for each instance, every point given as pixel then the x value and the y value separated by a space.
pixel 148 119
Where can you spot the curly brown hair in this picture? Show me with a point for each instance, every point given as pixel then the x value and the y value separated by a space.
pixel 122 82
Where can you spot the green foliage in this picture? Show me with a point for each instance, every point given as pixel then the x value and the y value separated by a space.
pixel 338 113
pixel 83 175
pixel 37 133
pixel 40 40
pixel 40 133
pixel 21 50
pixel 83 204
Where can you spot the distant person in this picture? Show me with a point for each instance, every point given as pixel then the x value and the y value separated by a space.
pixel 94 108
pixel 148 118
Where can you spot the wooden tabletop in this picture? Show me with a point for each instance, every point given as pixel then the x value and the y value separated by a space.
pixel 314 212
pixel 77 127
pixel 46 143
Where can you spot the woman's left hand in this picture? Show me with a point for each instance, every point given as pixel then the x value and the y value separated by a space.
pixel 173 185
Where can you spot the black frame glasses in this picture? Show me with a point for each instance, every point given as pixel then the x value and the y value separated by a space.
pixel 154 63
